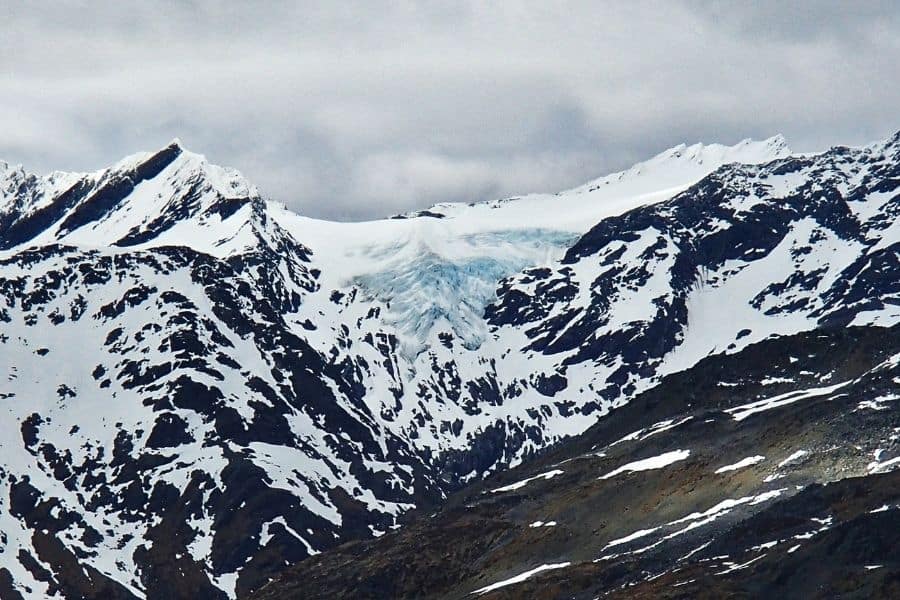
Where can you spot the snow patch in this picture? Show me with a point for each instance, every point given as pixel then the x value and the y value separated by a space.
pixel 744 462
pixel 647 464
pixel 521 577
pixel 520 484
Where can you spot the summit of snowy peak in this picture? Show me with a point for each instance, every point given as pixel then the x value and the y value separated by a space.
pixel 189 167
pixel 771 148
pixel 7 173
pixel 229 182
pixel 777 141
pixel 649 181
pixel 8 169
pixel 890 145
pixel 164 196
pixel 745 151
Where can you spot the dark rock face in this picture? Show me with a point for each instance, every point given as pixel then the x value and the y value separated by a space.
pixel 814 514
pixel 192 399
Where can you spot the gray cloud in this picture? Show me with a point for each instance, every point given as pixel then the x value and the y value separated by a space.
pixel 359 110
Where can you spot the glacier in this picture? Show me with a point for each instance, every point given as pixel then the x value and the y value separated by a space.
pixel 433 288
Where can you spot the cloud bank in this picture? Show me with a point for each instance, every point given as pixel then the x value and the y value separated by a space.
pixel 358 111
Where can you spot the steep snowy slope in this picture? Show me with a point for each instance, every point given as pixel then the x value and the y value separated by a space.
pixel 199 386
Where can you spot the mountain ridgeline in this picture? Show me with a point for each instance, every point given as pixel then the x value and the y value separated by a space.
pixel 200 388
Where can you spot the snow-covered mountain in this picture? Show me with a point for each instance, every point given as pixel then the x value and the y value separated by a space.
pixel 199 386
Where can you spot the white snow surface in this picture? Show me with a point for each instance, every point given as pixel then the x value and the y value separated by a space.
pixel 648 464
pixel 520 484
pixel 521 577
pixel 739 413
pixel 744 462
pixel 793 458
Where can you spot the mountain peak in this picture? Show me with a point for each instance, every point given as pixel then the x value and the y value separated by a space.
pixel 777 140
pixel 685 163
pixel 778 145
pixel 167 196
pixel 892 141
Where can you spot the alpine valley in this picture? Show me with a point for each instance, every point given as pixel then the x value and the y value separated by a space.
pixel 679 380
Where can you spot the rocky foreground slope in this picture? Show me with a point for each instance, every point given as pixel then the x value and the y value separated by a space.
pixel 199 388
pixel 766 473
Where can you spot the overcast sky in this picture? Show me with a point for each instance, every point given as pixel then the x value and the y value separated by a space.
pixel 353 110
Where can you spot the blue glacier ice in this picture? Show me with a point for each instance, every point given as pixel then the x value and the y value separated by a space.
pixel 451 292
